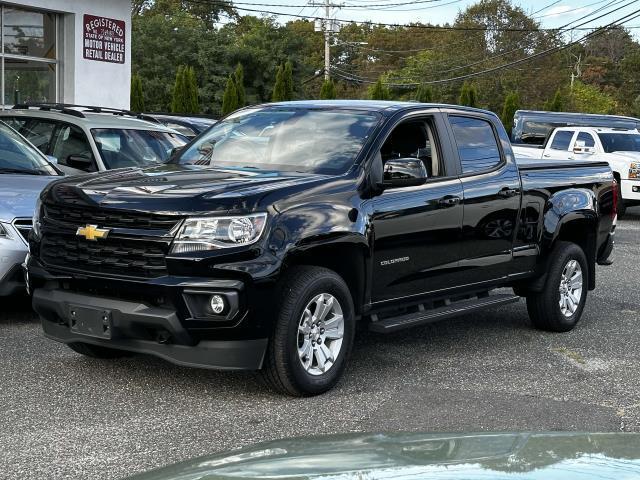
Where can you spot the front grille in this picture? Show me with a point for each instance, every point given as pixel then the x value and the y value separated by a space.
pixel 120 253
pixel 80 216
pixel 24 226
pixel 136 258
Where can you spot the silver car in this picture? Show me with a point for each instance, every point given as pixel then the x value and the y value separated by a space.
pixel 24 172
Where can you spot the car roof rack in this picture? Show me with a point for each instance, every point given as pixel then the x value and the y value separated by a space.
pixel 69 108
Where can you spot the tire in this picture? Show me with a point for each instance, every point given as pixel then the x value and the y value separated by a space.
pixel 96 351
pixel 545 310
pixel 304 290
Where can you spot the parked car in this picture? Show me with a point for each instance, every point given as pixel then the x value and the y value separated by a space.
pixel 618 147
pixel 424 456
pixel 24 172
pixel 264 241
pixel 533 127
pixel 93 139
pixel 190 126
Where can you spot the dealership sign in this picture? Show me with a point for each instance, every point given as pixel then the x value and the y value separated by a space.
pixel 104 39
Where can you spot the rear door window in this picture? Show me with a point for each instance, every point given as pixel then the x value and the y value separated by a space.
pixel 15 123
pixel 71 148
pixel 561 140
pixel 587 138
pixel 40 133
pixel 477 145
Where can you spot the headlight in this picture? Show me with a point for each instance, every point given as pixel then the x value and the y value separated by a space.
pixel 634 170
pixel 36 218
pixel 211 233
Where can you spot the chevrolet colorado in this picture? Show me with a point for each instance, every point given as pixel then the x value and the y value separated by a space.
pixel 265 240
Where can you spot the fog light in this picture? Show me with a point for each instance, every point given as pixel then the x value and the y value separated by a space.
pixel 636 189
pixel 217 304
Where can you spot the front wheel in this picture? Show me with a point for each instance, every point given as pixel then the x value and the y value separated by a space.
pixel 313 335
pixel 558 307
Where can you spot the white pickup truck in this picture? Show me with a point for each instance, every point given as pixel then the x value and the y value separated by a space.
pixel 619 147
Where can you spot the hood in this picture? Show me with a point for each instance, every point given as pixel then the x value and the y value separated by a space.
pixel 179 189
pixel 411 456
pixel 18 194
pixel 631 156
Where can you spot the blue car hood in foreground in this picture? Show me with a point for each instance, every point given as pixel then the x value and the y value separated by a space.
pixel 416 456
pixel 18 194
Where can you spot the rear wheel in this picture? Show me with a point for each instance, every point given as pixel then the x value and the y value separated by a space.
pixel 313 335
pixel 558 307
pixel 97 351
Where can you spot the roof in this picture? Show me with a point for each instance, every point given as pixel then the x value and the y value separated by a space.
pixel 573 114
pixel 91 120
pixel 382 106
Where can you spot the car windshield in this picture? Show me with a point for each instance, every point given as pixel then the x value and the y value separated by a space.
pixel 620 142
pixel 17 156
pixel 295 139
pixel 121 148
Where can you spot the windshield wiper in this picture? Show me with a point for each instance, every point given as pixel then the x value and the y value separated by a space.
pixel 18 170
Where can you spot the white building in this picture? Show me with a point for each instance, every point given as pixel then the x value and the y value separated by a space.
pixel 67 51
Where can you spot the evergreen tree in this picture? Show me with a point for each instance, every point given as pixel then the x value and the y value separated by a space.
pixel 288 80
pixel 379 91
pixel 193 104
pixel 328 90
pixel 238 78
pixel 230 97
pixel 279 89
pixel 178 102
pixel 511 104
pixel 464 94
pixel 556 104
pixel 137 97
pixel 424 94
pixel 473 95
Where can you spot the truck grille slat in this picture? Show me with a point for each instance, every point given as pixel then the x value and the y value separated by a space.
pixel 142 257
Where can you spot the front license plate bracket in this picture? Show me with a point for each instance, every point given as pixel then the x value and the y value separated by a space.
pixel 92 322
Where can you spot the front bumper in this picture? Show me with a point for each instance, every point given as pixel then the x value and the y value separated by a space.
pixel 132 321
pixel 12 254
pixel 630 190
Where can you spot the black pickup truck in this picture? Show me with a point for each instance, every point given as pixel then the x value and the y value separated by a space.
pixel 267 239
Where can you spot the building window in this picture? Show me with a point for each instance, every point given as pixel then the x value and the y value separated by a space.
pixel 28 55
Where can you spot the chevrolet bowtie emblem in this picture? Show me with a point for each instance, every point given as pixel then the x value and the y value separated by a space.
pixel 92 232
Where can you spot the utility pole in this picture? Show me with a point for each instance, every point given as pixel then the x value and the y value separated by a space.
pixel 327 27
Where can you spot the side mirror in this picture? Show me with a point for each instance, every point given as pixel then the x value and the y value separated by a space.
pixel 174 151
pixel 81 162
pixel 404 172
pixel 51 159
pixel 580 147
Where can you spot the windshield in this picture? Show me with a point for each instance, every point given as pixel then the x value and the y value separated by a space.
pixel 121 148
pixel 303 140
pixel 620 142
pixel 17 156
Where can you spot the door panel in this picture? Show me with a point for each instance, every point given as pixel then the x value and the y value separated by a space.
pixel 416 239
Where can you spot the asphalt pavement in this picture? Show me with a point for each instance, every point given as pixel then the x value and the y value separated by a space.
pixel 64 416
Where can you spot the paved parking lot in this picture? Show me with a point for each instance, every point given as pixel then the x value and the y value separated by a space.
pixel 66 416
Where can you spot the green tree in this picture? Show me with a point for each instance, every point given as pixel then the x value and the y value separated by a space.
pixel 287 74
pixel 590 99
pixel 555 104
pixel 468 95
pixel 179 100
pixel 279 89
pixel 464 94
pixel 511 104
pixel 137 97
pixel 192 104
pixel 379 91
pixel 238 78
pixel 328 90
pixel 230 97
pixel 424 94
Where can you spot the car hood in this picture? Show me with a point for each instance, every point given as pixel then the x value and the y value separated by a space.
pixel 179 189
pixel 18 194
pixel 631 156
pixel 500 456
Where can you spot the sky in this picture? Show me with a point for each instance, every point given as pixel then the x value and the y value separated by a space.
pixel 550 13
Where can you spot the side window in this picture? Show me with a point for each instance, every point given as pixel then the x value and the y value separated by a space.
pixel 414 139
pixel 561 140
pixel 587 138
pixel 72 148
pixel 15 123
pixel 39 132
pixel 476 142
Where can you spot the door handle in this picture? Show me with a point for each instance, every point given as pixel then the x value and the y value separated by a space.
pixel 507 192
pixel 448 201
pixel 546 155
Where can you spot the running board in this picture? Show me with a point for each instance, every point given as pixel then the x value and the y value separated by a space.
pixel 454 309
